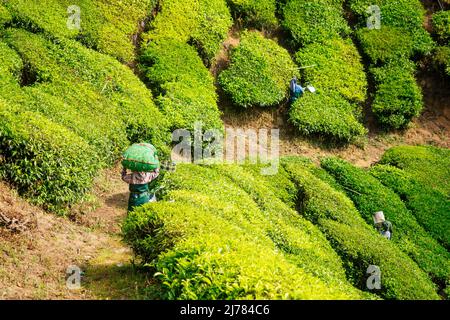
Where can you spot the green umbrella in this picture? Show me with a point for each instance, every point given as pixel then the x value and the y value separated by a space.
pixel 141 157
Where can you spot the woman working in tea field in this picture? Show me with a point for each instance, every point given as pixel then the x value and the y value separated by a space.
pixel 142 160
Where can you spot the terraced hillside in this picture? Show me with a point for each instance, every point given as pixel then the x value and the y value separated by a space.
pixel 82 80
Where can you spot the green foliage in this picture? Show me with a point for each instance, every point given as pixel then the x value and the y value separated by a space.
pixel 327 114
pixel 329 73
pixel 5 16
pixel 186 88
pixel 358 244
pixel 337 71
pixel 45 161
pixel 255 13
pixel 401 20
pixel 10 61
pixel 312 21
pixel 442 57
pixel 428 164
pixel 106 26
pixel 77 75
pixel 384 45
pixel 259 73
pixel 398 97
pixel 369 196
pixel 222 233
pixel 76 92
pixel 402 36
pixel 204 22
pixel 441 25
pixel 429 206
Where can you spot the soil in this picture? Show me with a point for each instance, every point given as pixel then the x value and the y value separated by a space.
pixel 33 263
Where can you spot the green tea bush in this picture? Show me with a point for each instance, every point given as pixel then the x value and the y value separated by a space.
pixel 401 20
pixel 105 26
pixel 402 36
pixel 337 67
pixel 429 165
pixel 442 58
pixel 185 87
pixel 90 98
pixel 44 160
pixel 312 21
pixel 255 13
pixel 334 68
pixel 384 45
pixel 67 69
pixel 107 134
pixel 429 206
pixel 5 16
pixel 441 25
pixel 441 28
pixel 10 62
pixel 370 195
pixel 327 114
pixel 398 97
pixel 358 245
pixel 203 22
pixel 235 240
pixel 259 72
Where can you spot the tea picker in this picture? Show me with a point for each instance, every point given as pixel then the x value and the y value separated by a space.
pixel 142 160
pixel 296 90
pixel 383 226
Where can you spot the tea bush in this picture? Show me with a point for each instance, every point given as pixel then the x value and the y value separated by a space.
pixel 255 13
pixel 402 36
pixel 5 16
pixel 77 92
pixel 337 68
pixel 386 44
pixel 185 87
pixel 441 28
pixel 45 161
pixel 358 244
pixel 326 114
pixel 314 21
pixel 429 165
pixel 429 206
pixel 405 15
pixel 334 67
pixel 237 240
pixel 398 97
pixel 441 25
pixel 66 69
pixel 203 22
pixel 259 72
pixel 105 26
pixel 442 57
pixel 370 195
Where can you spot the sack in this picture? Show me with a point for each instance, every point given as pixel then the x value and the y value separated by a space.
pixel 311 89
pixel 378 217
pixel 141 157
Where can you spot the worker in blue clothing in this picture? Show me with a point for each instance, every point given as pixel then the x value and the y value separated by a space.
pixel 296 90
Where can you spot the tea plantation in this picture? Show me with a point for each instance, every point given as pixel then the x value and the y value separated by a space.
pixel 82 80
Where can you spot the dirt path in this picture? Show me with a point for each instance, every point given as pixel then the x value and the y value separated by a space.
pixel 33 264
